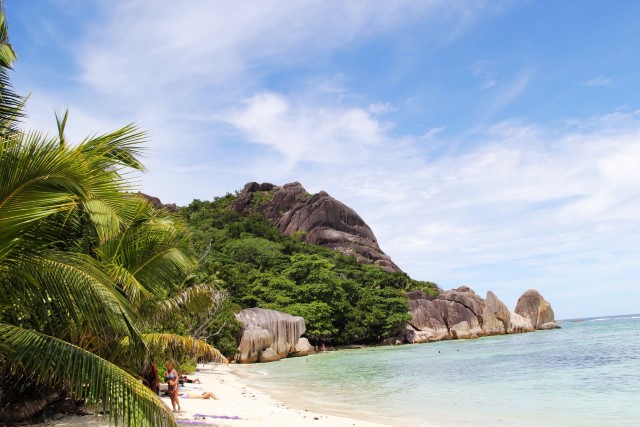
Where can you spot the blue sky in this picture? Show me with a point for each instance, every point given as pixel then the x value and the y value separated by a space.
pixel 493 144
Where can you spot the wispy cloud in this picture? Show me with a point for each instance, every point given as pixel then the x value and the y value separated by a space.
pixel 484 70
pixel 599 82
pixel 508 92
pixel 301 132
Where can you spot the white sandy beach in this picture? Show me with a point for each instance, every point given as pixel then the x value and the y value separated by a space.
pixel 238 405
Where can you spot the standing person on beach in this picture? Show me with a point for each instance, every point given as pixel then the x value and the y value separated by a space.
pixel 171 377
pixel 150 376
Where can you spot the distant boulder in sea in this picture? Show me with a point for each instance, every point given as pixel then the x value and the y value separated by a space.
pixel 532 306
pixel 323 220
pixel 461 314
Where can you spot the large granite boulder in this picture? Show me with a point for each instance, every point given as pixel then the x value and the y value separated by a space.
pixel 268 355
pixel 268 329
pixel 323 220
pixel 461 321
pixel 461 309
pixel 531 305
pixel 519 324
pixel 496 317
pixel 426 323
pixel 255 339
pixel 461 314
pixel 303 348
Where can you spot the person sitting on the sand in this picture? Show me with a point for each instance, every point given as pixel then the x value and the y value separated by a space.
pixel 204 395
pixel 183 379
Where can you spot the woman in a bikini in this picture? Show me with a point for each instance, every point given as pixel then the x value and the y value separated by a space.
pixel 171 377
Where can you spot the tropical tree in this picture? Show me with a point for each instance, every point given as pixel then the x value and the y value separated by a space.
pixel 84 263
pixel 10 102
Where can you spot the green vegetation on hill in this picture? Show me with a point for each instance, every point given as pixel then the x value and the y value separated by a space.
pixel 341 300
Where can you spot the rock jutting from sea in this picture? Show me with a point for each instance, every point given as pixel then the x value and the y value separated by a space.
pixel 462 314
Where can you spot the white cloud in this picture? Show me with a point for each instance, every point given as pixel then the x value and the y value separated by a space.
pixel 599 81
pixel 509 92
pixel 326 135
pixel 148 49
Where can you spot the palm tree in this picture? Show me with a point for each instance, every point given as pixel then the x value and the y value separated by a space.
pixel 10 102
pixel 83 262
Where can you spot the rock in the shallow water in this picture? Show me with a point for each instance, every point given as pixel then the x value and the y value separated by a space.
pixel 532 306
pixel 461 314
pixel 426 323
pixel 461 322
pixel 496 317
pixel 461 309
pixel 303 348
pixel 519 324
pixel 324 220
pixel 268 329
pixel 549 325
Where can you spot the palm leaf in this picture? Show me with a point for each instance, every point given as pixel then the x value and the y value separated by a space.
pixel 57 363
pixel 188 302
pixel 58 285
pixel 10 103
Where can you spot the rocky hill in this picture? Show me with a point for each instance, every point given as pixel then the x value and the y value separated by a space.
pixel 324 220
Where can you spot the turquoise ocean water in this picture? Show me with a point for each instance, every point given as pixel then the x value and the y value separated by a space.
pixel 585 374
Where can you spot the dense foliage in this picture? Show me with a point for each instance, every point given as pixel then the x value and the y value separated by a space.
pixel 341 300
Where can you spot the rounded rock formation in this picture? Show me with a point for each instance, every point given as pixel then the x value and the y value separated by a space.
pixel 268 329
pixel 531 305
pixel 324 220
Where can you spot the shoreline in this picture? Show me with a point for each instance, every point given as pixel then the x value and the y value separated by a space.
pixel 238 405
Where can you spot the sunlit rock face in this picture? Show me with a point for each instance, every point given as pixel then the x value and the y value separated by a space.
pixel 323 220
pixel 532 306
pixel 426 323
pixel 520 324
pixel 496 317
pixel 461 314
pixel 268 335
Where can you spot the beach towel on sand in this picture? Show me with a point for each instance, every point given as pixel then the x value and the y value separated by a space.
pixel 197 423
pixel 223 417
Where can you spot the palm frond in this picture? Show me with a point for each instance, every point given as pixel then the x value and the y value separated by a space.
pixel 192 301
pixel 60 285
pixel 54 362
pixel 38 179
pixel 10 103
pixel 179 347
pixel 118 149
pixel 153 250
